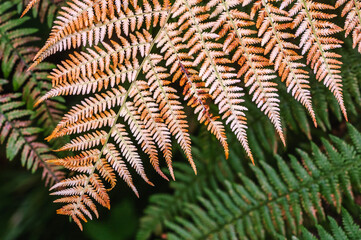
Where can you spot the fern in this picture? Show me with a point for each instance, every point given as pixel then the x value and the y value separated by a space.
pixel 18 46
pixel 212 174
pixel 315 33
pixel 134 53
pixel 279 200
pixel 352 12
pixel 21 138
pixel 274 25
pixel 45 9
pixel 348 230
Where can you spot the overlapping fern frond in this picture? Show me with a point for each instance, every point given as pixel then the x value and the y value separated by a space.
pixel 313 26
pixel 274 25
pixel 44 9
pixel 213 170
pixel 18 47
pixel 279 200
pixel 352 12
pixel 138 53
pixel 348 230
pixel 21 137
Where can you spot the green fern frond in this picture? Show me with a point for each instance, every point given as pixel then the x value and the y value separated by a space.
pixel 18 47
pixel 214 169
pixel 21 138
pixel 349 230
pixel 279 200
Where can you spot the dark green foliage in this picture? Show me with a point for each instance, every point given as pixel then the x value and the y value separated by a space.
pixel 20 136
pixel 348 230
pixel 279 199
pixel 18 45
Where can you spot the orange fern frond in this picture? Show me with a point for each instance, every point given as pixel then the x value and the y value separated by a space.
pixel 194 88
pixel 96 121
pixel 85 142
pixel 87 64
pixel 77 15
pixel 114 158
pixel 90 106
pixel 352 11
pixel 197 95
pixel 77 195
pixel 128 149
pixel 149 113
pixel 97 82
pixel 253 66
pixel 86 22
pixel 315 30
pixel 142 134
pixel 170 108
pixel 29 6
pixel 274 27
pixel 137 55
pixel 214 69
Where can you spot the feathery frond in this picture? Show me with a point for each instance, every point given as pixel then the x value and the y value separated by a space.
pixel 21 138
pixel 136 56
pixel 215 71
pixel 315 29
pixel 274 25
pixel 352 12
pixel 18 46
pixel 88 22
pixel 348 230
pixel 253 66
pixel 279 200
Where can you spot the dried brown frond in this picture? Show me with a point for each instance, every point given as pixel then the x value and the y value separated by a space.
pixel 274 26
pixel 88 22
pixel 253 65
pixel 29 6
pixel 104 60
pixel 138 52
pixel 215 71
pixel 352 11
pixel 142 134
pixel 149 113
pixel 195 92
pixel 314 27
pixel 170 108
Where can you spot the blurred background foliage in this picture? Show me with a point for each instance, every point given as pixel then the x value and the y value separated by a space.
pixel 27 211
